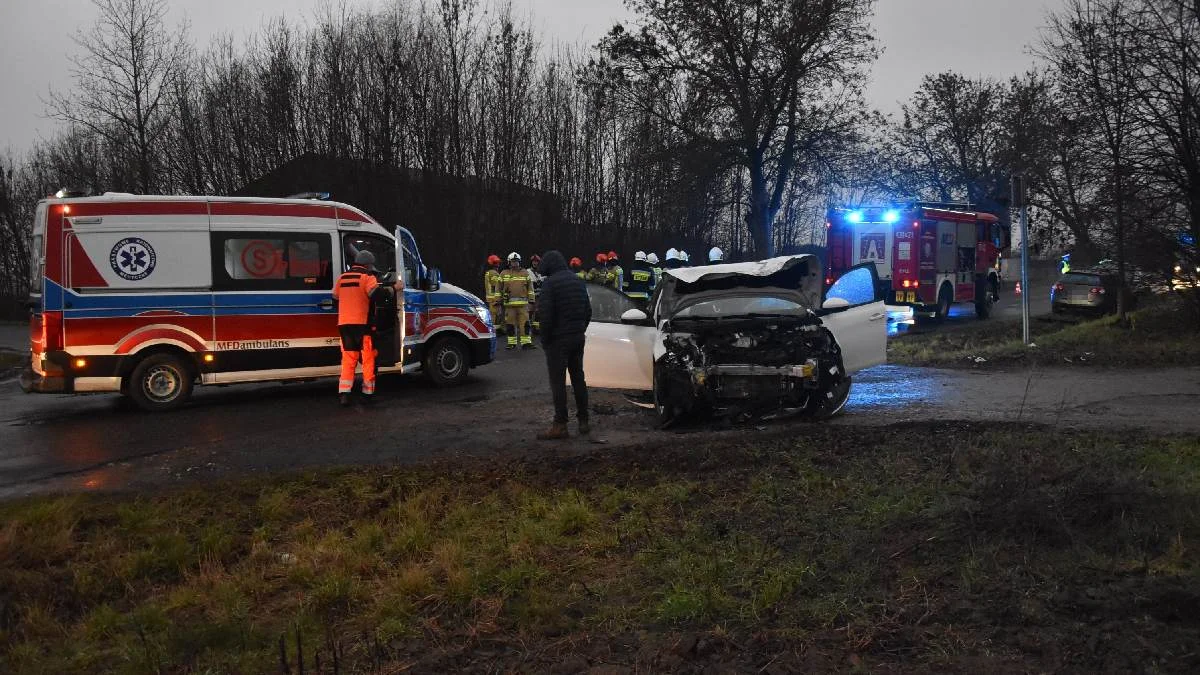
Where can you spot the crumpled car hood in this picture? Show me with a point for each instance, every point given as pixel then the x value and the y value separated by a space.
pixel 797 275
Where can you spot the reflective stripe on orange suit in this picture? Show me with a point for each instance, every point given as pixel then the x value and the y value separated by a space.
pixel 353 293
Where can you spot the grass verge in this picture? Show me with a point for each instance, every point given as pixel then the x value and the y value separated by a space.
pixel 962 547
pixel 1164 334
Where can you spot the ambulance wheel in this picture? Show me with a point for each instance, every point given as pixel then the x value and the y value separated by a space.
pixel 160 382
pixel 447 362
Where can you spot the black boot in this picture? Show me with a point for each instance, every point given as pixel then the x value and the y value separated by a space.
pixel 344 399
pixel 584 427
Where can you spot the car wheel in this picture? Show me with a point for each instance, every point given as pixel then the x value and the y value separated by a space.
pixel 447 363
pixel 832 402
pixel 160 382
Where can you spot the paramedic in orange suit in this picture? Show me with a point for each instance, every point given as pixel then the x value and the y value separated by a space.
pixel 352 292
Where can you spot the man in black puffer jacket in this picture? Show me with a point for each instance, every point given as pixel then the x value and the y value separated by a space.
pixel 564 313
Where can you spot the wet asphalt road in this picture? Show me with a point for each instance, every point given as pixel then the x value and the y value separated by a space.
pixel 97 442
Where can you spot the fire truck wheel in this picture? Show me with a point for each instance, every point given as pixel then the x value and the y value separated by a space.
pixel 984 299
pixel 160 382
pixel 945 298
pixel 447 362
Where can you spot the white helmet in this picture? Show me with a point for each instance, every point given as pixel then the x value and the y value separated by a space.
pixel 652 258
pixel 640 255
pixel 672 254
pixel 514 256
pixel 715 254
pixel 683 255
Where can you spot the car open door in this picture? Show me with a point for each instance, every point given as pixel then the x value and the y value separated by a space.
pixel 857 318
pixel 618 353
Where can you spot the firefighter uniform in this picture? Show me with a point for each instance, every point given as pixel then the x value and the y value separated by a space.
pixel 517 290
pixel 577 268
pixel 641 278
pixel 353 292
pixel 491 289
pixel 614 277
pixel 599 273
pixel 656 269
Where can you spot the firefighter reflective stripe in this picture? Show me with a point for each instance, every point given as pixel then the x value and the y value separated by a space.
pixel 345 386
pixel 517 287
pixel 640 275
pixel 615 278
pixel 491 285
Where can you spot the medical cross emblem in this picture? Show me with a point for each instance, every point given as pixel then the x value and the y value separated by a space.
pixel 132 259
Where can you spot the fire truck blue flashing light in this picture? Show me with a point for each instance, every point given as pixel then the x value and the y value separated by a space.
pixel 854 217
pixel 892 216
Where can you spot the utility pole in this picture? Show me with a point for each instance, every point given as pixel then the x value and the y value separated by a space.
pixel 1018 200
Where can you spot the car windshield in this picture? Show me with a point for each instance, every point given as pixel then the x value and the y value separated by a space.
pixel 741 306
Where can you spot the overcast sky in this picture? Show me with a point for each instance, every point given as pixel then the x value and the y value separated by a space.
pixel 974 37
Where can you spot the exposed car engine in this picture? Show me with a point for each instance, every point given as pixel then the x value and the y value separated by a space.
pixel 748 365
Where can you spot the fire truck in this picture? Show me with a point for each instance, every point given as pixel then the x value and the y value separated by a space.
pixel 928 256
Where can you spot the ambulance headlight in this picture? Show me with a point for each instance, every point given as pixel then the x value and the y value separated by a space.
pixel 484 314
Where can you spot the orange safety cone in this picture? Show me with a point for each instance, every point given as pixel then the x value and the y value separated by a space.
pixel 1018 288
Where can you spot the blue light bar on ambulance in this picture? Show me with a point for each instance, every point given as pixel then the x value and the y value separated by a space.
pixel 854 217
pixel 891 216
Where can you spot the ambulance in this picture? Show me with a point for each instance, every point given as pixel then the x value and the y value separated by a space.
pixel 150 295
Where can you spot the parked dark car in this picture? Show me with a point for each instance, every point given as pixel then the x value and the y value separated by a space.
pixel 1088 291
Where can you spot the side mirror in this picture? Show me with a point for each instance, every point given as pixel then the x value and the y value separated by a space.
pixel 433 279
pixel 836 303
pixel 634 316
pixel 388 277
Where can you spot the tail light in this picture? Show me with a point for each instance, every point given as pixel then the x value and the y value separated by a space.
pixel 828 281
pixel 1059 288
pixel 52 334
pixel 1097 291
pixel 906 283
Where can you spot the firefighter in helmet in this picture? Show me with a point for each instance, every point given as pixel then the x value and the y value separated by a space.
pixel 353 293
pixel 673 261
pixel 641 278
pixel 599 273
pixel 615 276
pixel 653 260
pixel 715 256
pixel 577 268
pixel 491 290
pixel 517 290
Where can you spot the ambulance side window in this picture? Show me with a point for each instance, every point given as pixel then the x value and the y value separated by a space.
pixel 272 261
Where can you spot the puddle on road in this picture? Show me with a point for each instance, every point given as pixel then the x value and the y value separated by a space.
pixel 893 387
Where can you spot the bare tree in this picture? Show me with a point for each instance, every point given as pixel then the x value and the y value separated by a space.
pixel 122 81
pixel 749 78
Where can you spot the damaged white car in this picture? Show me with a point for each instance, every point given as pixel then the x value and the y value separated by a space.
pixel 739 340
